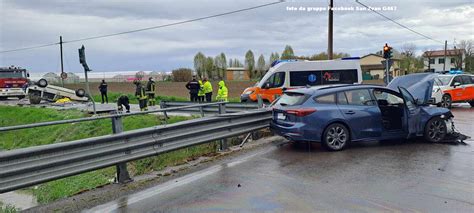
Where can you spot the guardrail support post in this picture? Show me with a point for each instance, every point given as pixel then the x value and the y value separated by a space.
pixel 122 173
pixel 223 142
pixel 201 110
pixel 259 101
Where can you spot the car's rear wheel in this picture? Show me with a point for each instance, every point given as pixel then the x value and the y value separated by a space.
pixel 435 130
pixel 80 93
pixel 42 83
pixel 446 101
pixel 336 137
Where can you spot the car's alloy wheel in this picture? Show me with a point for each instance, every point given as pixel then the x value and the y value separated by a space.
pixel 435 130
pixel 446 101
pixel 336 137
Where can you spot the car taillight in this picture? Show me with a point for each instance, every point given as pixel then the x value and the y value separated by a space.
pixel 300 112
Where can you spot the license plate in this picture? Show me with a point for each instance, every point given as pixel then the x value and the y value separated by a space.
pixel 281 116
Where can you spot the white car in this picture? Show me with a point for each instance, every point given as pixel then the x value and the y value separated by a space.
pixel 42 91
pixel 453 88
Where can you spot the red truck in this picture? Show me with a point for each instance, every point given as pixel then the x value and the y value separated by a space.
pixel 13 82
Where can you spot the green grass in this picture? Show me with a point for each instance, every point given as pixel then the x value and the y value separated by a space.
pixel 113 97
pixel 7 208
pixel 54 190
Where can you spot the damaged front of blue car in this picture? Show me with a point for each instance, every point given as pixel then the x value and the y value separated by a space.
pixel 433 123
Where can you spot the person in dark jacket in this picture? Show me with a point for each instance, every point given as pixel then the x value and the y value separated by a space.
pixel 103 91
pixel 140 93
pixel 150 91
pixel 123 101
pixel 193 87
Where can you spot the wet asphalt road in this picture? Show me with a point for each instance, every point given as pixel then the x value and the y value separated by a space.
pixel 367 177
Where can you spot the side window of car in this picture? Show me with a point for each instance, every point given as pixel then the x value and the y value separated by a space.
pixel 384 97
pixel 466 79
pixel 341 98
pixel 359 97
pixel 456 79
pixel 326 99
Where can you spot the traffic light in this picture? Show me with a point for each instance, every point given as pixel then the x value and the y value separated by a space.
pixel 387 51
pixel 82 58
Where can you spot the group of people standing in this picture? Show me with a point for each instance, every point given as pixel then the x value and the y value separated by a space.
pixel 145 94
pixel 202 90
pixel 199 91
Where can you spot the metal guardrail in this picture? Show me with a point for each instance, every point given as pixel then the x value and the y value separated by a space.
pixel 210 109
pixel 26 167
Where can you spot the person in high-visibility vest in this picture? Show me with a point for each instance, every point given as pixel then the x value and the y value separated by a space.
pixel 150 91
pixel 140 93
pixel 201 92
pixel 222 92
pixel 207 88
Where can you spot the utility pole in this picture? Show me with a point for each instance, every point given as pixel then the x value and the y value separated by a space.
pixel 445 53
pixel 330 29
pixel 62 66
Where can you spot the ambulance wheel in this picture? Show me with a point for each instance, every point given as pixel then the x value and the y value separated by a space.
pixel 42 83
pixel 446 101
pixel 80 93
pixel 471 103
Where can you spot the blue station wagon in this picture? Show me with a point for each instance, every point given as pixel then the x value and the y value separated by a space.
pixel 339 114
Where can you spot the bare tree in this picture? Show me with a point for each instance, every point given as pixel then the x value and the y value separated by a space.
pixel 466 45
pixel 428 54
pixel 408 57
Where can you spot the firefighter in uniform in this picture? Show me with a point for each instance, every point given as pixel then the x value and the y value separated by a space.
pixel 207 87
pixel 201 92
pixel 123 101
pixel 150 91
pixel 223 92
pixel 140 93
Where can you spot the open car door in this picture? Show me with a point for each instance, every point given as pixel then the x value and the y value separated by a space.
pixel 412 112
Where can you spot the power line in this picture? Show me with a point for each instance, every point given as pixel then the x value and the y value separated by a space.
pixel 399 24
pixel 150 28
pixel 29 48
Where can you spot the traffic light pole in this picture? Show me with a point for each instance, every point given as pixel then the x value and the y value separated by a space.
pixel 330 30
pixel 89 91
pixel 387 80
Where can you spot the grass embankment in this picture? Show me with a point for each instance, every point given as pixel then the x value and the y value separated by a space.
pixel 53 134
pixel 7 208
pixel 113 97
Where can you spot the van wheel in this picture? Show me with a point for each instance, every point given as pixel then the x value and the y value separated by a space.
pixel 435 130
pixel 446 101
pixel 336 137
pixel 42 83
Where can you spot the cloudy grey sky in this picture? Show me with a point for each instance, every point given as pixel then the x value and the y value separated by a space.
pixel 27 23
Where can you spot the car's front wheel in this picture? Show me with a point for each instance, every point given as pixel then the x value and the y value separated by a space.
pixel 435 130
pixel 446 101
pixel 336 137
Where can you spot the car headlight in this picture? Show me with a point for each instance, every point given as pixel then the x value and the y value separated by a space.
pixel 248 92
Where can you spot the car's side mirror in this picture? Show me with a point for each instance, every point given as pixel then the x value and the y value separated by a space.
pixel 28 75
pixel 456 84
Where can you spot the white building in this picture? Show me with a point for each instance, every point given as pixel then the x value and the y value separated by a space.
pixel 434 60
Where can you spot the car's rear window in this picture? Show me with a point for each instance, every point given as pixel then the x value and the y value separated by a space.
pixel 291 99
